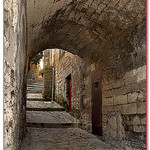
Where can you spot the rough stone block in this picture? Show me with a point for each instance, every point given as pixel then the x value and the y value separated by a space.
pixel 122 3
pixel 106 109
pixel 141 73
pixel 142 96
pixel 108 93
pixel 92 67
pixel 130 79
pixel 129 108
pixel 115 128
pixel 120 99
pixel 139 128
pixel 100 8
pixel 107 101
pixel 132 97
pixel 118 83
pixel 136 120
pixel 107 87
pixel 143 120
pixel 104 118
pixel 141 108
pixel 136 75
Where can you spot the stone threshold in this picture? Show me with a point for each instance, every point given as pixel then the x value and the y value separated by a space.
pixel 36 99
pixel 33 91
pixel 52 125
pixel 45 109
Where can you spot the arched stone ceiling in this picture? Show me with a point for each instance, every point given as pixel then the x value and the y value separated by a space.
pixel 79 26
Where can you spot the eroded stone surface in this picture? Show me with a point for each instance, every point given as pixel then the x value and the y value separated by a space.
pixel 34 95
pixel 42 104
pixel 62 139
pixel 14 72
pixel 50 117
pixel 79 26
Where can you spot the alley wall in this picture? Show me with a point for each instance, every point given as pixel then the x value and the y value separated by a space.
pixel 14 71
pixel 122 63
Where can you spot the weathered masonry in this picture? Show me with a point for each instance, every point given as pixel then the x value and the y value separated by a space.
pixel 109 37
pixel 117 107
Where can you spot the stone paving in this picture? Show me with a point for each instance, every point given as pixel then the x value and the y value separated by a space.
pixel 50 119
pixel 56 130
pixel 35 87
pixel 43 105
pixel 34 96
pixel 62 139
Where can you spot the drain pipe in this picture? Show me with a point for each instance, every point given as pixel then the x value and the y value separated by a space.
pixel 53 74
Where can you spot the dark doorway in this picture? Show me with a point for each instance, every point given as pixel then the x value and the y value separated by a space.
pixel 97 103
pixel 69 88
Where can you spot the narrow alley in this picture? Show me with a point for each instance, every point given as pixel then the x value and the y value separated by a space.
pixel 75 74
pixel 50 127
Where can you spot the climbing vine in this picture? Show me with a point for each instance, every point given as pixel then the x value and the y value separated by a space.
pixel 36 59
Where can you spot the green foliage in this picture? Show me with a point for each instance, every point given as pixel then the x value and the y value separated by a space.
pixel 36 59
pixel 42 71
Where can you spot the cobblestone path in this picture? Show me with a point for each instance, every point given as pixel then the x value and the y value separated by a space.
pixel 50 128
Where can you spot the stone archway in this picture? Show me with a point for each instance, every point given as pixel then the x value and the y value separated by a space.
pixel 79 26
pixel 108 35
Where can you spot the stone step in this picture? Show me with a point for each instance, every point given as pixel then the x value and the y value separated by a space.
pixel 54 119
pixel 35 85
pixel 31 87
pixel 30 91
pixel 43 106
pixel 34 95
pixel 61 139
pixel 34 89
pixel 45 109
pixel 52 125
pixel 36 99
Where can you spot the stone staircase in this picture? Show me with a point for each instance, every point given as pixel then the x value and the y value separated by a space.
pixel 41 113
pixel 35 87
pixel 49 127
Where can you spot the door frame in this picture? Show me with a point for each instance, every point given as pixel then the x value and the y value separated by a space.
pixel 96 77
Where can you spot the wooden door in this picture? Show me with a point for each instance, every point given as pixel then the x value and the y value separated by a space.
pixel 69 91
pixel 97 103
pixel 70 88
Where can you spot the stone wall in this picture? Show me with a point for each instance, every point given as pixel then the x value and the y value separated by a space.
pixel 33 74
pixel 69 64
pixel 48 82
pixel 127 96
pixel 14 71
pixel 123 98
pixel 122 63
